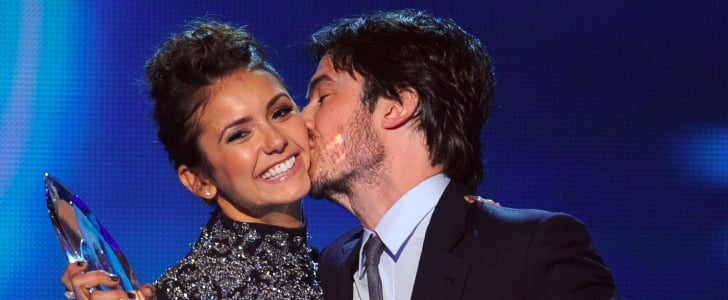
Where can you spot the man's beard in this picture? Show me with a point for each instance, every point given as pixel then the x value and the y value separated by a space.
pixel 355 158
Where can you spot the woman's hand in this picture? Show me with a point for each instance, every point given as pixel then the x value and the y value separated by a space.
pixel 84 286
pixel 475 198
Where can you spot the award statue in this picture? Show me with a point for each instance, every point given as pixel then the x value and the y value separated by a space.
pixel 82 236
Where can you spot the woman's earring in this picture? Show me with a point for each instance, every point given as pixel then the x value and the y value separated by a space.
pixel 208 193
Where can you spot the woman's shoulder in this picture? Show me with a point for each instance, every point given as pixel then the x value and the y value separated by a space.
pixel 182 280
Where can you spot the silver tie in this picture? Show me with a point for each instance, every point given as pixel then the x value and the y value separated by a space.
pixel 372 252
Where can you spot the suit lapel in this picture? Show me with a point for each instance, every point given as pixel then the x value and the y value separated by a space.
pixel 441 274
pixel 348 262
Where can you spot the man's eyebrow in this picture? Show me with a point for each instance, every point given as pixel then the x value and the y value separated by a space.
pixel 314 83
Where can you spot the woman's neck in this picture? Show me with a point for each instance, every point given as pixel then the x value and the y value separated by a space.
pixel 288 215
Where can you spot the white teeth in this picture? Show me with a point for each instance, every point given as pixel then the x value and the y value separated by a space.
pixel 279 168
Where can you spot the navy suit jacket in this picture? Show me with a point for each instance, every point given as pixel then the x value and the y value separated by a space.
pixel 479 251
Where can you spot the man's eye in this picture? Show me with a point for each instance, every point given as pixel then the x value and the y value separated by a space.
pixel 238 135
pixel 282 112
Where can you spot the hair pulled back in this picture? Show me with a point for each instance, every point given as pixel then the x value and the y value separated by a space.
pixel 179 75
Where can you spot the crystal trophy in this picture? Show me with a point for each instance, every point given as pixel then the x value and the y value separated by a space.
pixel 83 238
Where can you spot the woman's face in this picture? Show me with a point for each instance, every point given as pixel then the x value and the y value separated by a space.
pixel 255 139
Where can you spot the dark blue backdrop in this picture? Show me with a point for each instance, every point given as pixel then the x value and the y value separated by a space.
pixel 613 111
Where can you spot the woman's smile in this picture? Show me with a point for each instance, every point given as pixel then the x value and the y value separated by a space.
pixel 281 171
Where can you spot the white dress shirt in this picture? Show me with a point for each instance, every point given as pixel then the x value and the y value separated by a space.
pixel 402 230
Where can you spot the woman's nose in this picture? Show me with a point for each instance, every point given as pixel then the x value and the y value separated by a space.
pixel 274 141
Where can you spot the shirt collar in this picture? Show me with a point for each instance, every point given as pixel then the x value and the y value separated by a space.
pixel 400 221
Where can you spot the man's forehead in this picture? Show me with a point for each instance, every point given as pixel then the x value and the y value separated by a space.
pixel 324 73
pixel 325 66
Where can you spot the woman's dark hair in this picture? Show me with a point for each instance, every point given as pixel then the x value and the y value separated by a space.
pixel 179 75
pixel 449 69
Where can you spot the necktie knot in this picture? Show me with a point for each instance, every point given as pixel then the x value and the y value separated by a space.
pixel 373 250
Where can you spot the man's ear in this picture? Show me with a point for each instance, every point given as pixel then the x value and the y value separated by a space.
pixel 397 113
pixel 198 185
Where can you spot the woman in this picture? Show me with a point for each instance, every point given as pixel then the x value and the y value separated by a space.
pixel 237 140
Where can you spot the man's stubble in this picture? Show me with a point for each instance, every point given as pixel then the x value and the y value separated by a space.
pixel 354 158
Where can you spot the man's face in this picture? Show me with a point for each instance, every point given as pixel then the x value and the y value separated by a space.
pixel 345 146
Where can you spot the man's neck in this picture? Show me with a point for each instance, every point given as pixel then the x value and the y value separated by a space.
pixel 369 201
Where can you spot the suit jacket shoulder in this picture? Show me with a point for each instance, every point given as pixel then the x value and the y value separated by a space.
pixel 479 251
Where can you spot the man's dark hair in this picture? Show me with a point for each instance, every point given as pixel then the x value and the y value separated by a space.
pixel 448 67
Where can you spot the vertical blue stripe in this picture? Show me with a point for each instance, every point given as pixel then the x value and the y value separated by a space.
pixel 17 111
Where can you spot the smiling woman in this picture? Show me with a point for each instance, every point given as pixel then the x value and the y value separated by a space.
pixel 237 140
pixel 253 136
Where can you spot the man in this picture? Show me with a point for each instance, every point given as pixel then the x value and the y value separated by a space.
pixel 395 111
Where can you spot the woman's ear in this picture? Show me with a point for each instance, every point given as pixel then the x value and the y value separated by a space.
pixel 397 113
pixel 198 185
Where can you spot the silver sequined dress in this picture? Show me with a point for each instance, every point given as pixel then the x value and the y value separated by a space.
pixel 234 260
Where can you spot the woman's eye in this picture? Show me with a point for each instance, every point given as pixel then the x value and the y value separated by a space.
pixel 238 135
pixel 321 99
pixel 282 112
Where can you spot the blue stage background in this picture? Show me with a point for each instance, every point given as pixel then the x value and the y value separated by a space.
pixel 613 111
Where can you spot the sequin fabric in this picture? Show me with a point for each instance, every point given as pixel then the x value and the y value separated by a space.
pixel 233 260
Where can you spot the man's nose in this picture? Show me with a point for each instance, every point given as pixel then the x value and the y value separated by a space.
pixel 307 115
